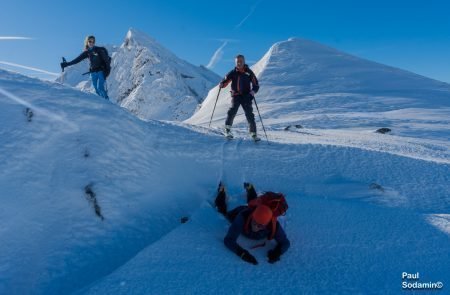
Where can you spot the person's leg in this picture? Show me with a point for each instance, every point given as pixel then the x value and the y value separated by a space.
pixel 248 109
pixel 221 200
pixel 231 215
pixel 235 103
pixel 94 78
pixel 221 204
pixel 101 85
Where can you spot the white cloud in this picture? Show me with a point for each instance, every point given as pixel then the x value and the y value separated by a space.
pixel 14 38
pixel 28 68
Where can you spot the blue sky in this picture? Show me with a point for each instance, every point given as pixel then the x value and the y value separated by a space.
pixel 413 35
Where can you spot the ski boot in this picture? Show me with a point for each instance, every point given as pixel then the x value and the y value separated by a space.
pixel 228 133
pixel 255 137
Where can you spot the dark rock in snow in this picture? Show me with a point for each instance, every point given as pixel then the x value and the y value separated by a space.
pixel 383 130
pixel 376 186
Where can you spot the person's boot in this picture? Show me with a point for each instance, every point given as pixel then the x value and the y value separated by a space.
pixel 221 199
pixel 254 136
pixel 228 133
pixel 247 186
pixel 251 192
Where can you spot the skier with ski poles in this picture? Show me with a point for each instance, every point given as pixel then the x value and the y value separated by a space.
pixel 100 64
pixel 244 86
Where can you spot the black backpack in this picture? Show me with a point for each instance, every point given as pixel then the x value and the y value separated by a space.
pixel 107 69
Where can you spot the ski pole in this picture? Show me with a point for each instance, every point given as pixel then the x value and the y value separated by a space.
pixel 214 107
pixel 261 120
pixel 62 70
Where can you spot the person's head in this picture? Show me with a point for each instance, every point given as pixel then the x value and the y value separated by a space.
pixel 261 217
pixel 239 61
pixel 89 42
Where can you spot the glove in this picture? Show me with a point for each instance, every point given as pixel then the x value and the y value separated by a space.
pixel 63 65
pixel 221 85
pixel 252 93
pixel 246 256
pixel 274 255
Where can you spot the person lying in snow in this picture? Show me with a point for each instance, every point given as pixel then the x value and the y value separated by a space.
pixel 256 221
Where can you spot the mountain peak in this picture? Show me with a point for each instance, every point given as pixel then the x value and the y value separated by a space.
pixel 136 37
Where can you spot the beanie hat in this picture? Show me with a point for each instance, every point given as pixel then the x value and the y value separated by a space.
pixel 262 215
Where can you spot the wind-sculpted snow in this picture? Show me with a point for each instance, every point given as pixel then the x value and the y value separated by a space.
pixel 95 201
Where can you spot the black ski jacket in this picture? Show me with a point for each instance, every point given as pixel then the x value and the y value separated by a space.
pixel 242 82
pixel 97 59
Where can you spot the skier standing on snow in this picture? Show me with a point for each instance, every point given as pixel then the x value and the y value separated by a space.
pixel 244 85
pixel 100 64
pixel 254 222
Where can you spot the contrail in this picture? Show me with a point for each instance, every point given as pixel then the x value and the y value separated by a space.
pixel 217 55
pixel 252 9
pixel 14 38
pixel 54 117
pixel 28 68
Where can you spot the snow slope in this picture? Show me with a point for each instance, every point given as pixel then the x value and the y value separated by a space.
pixel 364 207
pixel 347 235
pixel 52 240
pixel 149 80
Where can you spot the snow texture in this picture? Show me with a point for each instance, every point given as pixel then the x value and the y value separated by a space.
pixel 96 201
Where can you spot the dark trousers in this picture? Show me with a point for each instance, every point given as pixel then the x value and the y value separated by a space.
pixel 222 206
pixel 246 102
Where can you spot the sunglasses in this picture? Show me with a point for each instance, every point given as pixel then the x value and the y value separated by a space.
pixel 91 41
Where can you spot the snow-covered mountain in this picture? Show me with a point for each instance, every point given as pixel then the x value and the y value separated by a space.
pixel 93 198
pixel 149 80
pixel 309 84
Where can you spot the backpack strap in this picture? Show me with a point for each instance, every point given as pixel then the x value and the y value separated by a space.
pixel 274 228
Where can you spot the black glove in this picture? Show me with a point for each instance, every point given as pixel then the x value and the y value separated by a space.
pixel 220 85
pixel 246 256
pixel 274 254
